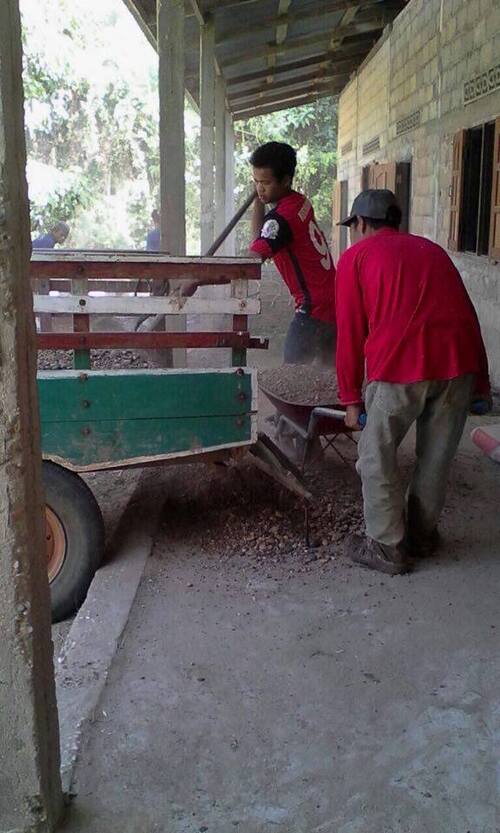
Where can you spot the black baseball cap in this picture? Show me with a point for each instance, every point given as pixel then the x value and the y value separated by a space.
pixel 373 204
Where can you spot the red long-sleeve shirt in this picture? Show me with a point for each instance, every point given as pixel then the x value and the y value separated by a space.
pixel 403 311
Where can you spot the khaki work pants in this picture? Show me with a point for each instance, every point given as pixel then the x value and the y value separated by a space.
pixel 439 409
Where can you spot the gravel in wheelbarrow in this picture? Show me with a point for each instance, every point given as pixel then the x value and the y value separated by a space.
pixel 301 384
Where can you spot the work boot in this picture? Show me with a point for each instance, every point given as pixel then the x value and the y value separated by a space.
pixel 423 544
pixel 376 556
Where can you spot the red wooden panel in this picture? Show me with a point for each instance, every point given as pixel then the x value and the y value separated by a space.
pixel 154 340
pixel 214 273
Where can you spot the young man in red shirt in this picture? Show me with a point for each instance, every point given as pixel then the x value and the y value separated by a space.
pixel 407 325
pixel 288 234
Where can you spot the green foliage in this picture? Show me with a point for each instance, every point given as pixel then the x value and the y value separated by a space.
pixel 92 130
pixel 60 205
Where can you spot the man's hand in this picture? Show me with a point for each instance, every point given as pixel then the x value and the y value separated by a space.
pixel 481 404
pixel 352 415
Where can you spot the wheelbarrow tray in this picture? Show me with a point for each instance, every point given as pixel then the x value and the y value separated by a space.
pixel 300 414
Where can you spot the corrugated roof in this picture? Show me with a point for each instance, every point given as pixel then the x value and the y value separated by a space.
pixel 274 54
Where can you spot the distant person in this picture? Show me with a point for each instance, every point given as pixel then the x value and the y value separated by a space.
pixel 57 234
pixel 153 239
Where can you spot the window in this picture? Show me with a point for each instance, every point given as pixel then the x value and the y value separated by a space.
pixel 475 191
pixel 396 176
pixel 340 210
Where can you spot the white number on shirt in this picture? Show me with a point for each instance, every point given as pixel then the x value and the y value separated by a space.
pixel 320 245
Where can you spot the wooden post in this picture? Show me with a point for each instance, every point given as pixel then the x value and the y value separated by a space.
pixel 170 29
pixel 172 151
pixel 30 784
pixel 220 155
pixel 230 245
pixel 207 134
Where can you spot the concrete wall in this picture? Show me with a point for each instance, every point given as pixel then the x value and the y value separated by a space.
pixel 417 73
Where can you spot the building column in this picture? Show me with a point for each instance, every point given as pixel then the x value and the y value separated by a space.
pixel 230 244
pixel 30 785
pixel 220 157
pixel 171 81
pixel 207 133
pixel 170 23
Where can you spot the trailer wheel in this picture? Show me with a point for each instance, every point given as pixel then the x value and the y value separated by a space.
pixel 74 536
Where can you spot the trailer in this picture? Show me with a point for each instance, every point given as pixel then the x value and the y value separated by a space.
pixel 95 420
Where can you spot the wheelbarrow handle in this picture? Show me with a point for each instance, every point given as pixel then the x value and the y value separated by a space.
pixel 336 414
pixel 480 407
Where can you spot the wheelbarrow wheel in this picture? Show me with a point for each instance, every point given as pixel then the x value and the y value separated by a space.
pixel 74 537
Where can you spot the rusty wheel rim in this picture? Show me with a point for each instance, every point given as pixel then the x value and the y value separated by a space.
pixel 56 543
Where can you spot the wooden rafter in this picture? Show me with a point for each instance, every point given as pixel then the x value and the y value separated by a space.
pixel 350 7
pixel 320 76
pixel 362 28
pixel 324 59
pixel 280 37
pixel 283 105
pixel 276 96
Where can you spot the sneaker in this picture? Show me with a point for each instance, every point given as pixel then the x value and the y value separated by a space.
pixel 423 545
pixel 376 556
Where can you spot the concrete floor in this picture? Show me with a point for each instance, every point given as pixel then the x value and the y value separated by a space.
pixel 335 701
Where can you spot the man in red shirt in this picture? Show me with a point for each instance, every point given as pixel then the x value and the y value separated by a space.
pixel 407 325
pixel 288 233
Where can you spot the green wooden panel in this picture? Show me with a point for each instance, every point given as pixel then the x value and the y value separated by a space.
pixel 108 441
pixel 130 395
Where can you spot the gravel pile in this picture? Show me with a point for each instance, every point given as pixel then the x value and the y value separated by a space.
pixel 306 384
pixel 100 359
pixel 239 513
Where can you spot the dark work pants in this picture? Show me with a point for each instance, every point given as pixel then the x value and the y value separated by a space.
pixel 309 339
pixel 439 409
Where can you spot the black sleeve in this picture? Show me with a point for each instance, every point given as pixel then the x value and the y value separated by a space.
pixel 275 231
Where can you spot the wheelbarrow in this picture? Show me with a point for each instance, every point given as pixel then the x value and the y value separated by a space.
pixel 300 427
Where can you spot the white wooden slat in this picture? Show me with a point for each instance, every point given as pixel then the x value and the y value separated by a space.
pixel 141 306
pixel 131 257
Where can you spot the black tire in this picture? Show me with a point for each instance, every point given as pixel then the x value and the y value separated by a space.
pixel 78 513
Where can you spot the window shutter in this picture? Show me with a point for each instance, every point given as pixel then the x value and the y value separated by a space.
pixel 456 190
pixel 494 248
pixel 337 203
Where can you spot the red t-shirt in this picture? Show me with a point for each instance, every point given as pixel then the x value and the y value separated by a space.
pixel 291 237
pixel 402 308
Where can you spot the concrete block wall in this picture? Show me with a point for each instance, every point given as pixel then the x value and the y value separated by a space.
pixel 417 72
pixel 373 110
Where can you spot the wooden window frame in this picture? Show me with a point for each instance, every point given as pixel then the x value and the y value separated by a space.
pixel 455 234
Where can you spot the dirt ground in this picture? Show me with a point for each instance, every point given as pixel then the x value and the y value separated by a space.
pixel 273 687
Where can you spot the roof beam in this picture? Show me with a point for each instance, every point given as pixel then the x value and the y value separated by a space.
pixel 280 37
pixel 217 5
pixel 298 90
pixel 147 28
pixel 362 28
pixel 316 76
pixel 284 105
pixel 197 12
pixel 324 60
pixel 326 8
pixel 347 19
pixel 202 20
